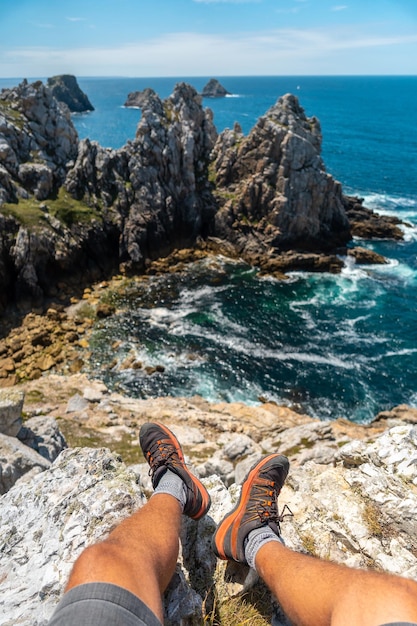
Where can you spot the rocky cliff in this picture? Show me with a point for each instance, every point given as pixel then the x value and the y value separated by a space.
pixel 71 209
pixel 352 491
pixel 272 186
pixel 66 89
pixel 158 183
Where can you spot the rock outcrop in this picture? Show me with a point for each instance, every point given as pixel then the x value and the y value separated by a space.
pixel 367 224
pixel 158 183
pixel 37 141
pixel 11 404
pixel 24 450
pixel 214 89
pixel 74 211
pixel 352 493
pixel 136 99
pixel 65 89
pixel 272 187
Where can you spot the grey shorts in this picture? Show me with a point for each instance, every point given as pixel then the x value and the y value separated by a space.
pixel 102 604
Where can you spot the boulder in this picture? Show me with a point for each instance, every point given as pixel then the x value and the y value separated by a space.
pixel 368 224
pixel 366 257
pixel 16 459
pixel 11 404
pixel 42 434
pixel 65 89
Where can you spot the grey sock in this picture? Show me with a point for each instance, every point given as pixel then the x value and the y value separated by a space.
pixel 172 484
pixel 255 540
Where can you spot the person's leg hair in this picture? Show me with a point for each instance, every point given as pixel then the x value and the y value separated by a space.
pixel 313 591
pixel 140 554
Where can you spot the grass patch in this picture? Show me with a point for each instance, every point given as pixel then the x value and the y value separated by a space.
pixel 26 212
pixel 85 311
pixel 305 444
pixel 68 211
pixel 34 396
pixel 372 517
pixel 309 544
pixel 254 608
pixel 15 117
pixel 78 436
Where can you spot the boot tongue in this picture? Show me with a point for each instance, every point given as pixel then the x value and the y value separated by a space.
pixel 157 475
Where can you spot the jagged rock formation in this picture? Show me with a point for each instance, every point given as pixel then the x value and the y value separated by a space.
pixel 136 99
pixel 214 89
pixel 66 89
pixel 353 500
pixel 73 210
pixel 37 140
pixel 272 186
pixel 158 182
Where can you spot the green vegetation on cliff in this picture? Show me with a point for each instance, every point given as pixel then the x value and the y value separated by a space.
pixel 33 213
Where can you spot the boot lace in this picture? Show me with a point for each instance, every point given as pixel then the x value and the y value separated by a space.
pixel 162 452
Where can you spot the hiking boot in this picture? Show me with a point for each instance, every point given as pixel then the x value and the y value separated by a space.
pixel 163 452
pixel 256 507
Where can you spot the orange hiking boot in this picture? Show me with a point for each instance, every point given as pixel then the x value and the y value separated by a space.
pixel 163 452
pixel 256 507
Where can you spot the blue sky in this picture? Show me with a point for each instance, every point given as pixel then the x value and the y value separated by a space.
pixel 40 38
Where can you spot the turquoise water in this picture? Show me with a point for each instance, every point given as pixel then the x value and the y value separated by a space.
pixel 333 346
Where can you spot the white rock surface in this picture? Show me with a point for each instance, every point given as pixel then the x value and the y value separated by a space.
pixel 11 404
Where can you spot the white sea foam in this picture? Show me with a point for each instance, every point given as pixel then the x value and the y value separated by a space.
pixel 384 202
pixel 243 346
pixel 165 318
pixel 402 207
pixel 397 270
pixel 207 292
pixel 403 352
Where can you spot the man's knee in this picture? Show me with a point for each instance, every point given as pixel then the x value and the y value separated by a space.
pixel 93 564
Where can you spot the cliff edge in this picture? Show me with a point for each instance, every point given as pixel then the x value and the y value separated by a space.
pixel 352 491
pixel 73 211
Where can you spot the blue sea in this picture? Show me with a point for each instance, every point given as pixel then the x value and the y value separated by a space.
pixel 330 345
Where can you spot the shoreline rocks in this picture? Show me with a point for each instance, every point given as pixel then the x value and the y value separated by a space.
pixel 73 212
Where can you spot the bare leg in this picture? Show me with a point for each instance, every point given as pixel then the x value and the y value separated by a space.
pixel 312 591
pixel 139 555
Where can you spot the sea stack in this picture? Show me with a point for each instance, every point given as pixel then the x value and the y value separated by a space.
pixel 214 89
pixel 136 99
pixel 66 89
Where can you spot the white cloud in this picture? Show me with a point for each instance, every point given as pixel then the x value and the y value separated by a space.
pixel 42 25
pixel 339 7
pixel 274 52
pixel 288 11
pixel 76 19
